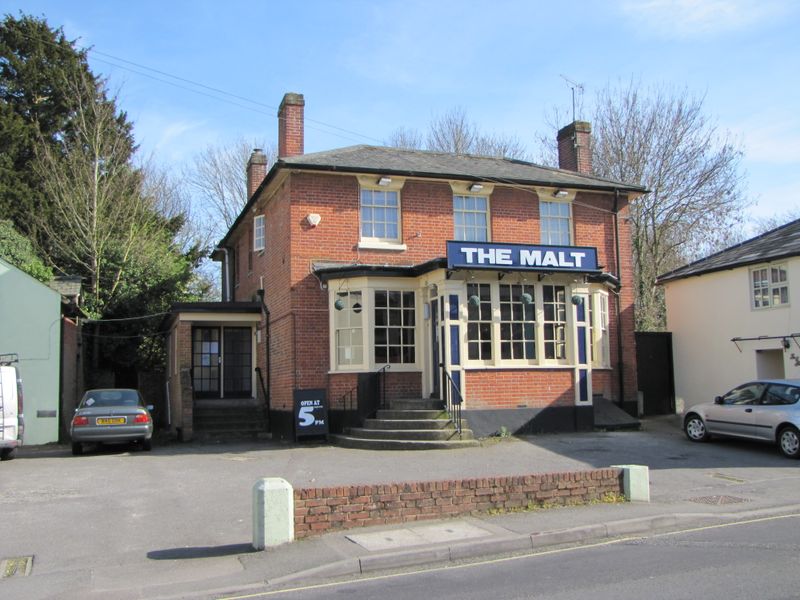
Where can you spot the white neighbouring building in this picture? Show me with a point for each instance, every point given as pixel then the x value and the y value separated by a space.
pixel 735 316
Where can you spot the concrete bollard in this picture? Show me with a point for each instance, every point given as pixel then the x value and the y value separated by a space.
pixel 273 512
pixel 635 482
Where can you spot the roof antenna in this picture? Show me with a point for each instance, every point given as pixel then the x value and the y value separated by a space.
pixel 573 86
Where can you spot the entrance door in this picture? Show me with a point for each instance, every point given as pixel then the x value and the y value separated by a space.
pixel 206 362
pixel 238 367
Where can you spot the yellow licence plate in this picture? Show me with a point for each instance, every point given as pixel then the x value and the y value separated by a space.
pixel 111 420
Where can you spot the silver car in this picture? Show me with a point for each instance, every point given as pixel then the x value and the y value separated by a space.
pixel 766 410
pixel 111 415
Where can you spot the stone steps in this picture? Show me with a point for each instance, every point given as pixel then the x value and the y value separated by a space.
pixel 408 424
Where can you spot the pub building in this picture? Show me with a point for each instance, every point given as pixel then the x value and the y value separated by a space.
pixel 359 277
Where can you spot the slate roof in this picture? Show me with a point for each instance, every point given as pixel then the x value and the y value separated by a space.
pixel 422 163
pixel 777 244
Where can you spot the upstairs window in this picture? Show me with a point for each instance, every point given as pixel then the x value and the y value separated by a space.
pixel 769 286
pixel 555 220
pixel 471 218
pixel 258 233
pixel 380 215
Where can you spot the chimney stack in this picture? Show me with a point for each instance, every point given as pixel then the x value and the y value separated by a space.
pixel 256 171
pixel 575 147
pixel 290 125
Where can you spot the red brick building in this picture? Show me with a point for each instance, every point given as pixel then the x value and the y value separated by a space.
pixel 505 283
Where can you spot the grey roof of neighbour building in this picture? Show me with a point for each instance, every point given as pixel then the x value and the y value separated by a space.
pixel 777 244
pixel 423 163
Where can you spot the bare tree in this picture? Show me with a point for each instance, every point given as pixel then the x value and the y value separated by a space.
pixel 99 221
pixel 662 140
pixel 453 132
pixel 405 138
pixel 218 176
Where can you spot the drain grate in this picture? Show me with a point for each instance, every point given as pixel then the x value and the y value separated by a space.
pixel 19 566
pixel 717 500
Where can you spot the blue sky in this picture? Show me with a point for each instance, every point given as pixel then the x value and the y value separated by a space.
pixel 367 68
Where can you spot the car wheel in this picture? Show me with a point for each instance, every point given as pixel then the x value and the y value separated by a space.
pixel 789 441
pixel 695 429
pixel 8 453
pixel 147 445
pixel 77 448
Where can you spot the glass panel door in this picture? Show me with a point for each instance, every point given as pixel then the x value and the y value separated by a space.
pixel 205 362
pixel 238 368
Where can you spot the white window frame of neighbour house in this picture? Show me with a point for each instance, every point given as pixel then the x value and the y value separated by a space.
pixel 769 286
pixel 471 218
pixel 392 329
pixel 555 222
pixel 259 237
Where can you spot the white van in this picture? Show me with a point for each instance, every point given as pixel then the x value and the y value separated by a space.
pixel 12 423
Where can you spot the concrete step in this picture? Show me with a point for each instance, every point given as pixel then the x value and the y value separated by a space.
pixel 421 435
pixel 410 423
pixel 411 415
pixel 416 404
pixel 347 441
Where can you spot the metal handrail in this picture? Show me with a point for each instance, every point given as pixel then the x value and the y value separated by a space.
pixel 453 404
pixel 381 373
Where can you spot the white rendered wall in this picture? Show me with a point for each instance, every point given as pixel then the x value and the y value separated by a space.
pixel 705 312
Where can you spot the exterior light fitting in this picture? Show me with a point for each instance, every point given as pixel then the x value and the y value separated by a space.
pixel 577 300
pixel 338 304
pixel 526 298
pixel 313 219
pixel 560 193
pixel 475 187
pixel 384 181
pixel 474 300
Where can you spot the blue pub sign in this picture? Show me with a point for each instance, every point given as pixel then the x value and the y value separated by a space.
pixel 521 257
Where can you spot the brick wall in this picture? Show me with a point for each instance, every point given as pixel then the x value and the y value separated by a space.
pixel 320 510
pixel 519 388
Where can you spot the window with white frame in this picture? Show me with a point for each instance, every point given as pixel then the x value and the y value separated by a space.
pixel 769 286
pixel 479 321
pixel 395 321
pixel 517 322
pixel 380 215
pixel 555 222
pixel 554 304
pixel 258 233
pixel 598 330
pixel 471 218
pixel 348 327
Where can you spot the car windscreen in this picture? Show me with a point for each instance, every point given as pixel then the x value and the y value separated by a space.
pixel 107 398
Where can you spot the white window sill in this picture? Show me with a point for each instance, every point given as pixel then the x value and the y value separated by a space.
pixel 391 246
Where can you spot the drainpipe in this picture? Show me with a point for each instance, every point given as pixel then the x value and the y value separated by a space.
pixel 266 348
pixel 226 285
pixel 620 348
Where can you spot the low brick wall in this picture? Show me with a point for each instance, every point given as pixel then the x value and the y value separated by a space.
pixel 320 510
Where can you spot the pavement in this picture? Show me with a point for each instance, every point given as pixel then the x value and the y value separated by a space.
pixel 692 485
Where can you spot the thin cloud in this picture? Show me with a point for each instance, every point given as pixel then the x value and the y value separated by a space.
pixel 699 18
pixel 772 139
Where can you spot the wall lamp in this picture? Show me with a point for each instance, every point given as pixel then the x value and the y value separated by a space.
pixel 384 181
pixel 313 219
pixel 475 187
pixel 474 300
pixel 526 298
pixel 560 193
